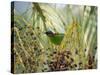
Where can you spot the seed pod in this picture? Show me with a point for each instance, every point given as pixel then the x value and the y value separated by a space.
pixel 38 28
pixel 75 65
pixel 80 63
pixel 85 49
pixel 96 47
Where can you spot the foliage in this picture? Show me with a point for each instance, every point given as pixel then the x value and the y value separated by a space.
pixel 33 50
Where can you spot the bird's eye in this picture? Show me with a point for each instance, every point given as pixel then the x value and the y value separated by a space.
pixel 49 32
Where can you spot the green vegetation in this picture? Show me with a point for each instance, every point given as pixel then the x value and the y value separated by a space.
pixel 34 51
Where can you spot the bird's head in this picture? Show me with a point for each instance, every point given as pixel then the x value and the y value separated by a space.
pixel 49 33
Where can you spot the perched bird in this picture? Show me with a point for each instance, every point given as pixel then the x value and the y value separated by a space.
pixel 55 38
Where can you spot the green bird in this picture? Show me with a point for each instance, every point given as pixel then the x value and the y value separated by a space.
pixel 55 38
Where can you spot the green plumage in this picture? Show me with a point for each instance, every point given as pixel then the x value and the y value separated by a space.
pixel 56 39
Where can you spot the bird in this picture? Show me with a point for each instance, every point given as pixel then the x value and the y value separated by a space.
pixel 55 38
